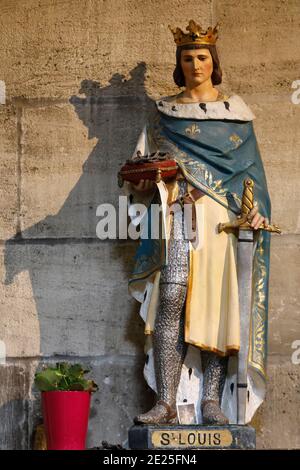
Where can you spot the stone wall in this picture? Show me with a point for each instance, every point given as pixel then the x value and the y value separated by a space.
pixel 79 77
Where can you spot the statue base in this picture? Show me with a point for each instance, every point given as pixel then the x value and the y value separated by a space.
pixel 184 437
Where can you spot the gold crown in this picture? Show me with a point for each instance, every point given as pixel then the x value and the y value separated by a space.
pixel 195 34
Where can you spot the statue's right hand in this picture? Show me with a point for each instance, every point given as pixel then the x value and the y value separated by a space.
pixel 143 186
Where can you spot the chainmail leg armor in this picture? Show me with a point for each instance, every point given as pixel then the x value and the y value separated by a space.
pixel 215 369
pixel 214 375
pixel 168 337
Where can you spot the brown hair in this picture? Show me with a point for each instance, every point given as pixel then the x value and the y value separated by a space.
pixel 216 76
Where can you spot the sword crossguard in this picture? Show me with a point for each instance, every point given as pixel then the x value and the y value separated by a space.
pixel 241 221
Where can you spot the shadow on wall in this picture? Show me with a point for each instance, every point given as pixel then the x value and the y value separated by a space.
pixel 79 282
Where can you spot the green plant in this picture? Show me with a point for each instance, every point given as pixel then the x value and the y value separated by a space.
pixel 64 377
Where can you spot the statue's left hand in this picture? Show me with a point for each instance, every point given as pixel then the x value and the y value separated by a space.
pixel 256 219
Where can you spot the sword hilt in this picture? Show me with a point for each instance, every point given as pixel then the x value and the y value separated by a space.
pixel 241 222
pixel 247 198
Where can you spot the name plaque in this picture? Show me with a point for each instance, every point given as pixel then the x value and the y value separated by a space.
pixel 187 437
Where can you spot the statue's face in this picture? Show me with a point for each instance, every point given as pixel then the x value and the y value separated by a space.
pixel 197 66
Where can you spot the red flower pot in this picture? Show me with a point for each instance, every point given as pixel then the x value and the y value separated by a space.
pixel 66 416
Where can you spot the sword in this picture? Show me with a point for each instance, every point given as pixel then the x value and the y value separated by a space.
pixel 244 272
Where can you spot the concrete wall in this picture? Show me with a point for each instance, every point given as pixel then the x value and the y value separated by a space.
pixel 79 76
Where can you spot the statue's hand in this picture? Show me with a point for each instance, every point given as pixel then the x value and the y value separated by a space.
pixel 144 186
pixel 256 219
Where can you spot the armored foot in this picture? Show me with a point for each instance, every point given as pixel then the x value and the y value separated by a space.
pixel 212 414
pixel 161 413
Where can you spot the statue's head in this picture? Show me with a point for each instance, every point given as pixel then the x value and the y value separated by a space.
pixel 193 59
pixel 196 55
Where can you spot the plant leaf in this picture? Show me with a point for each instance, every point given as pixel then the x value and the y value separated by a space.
pixel 64 377
pixel 91 386
pixel 47 380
